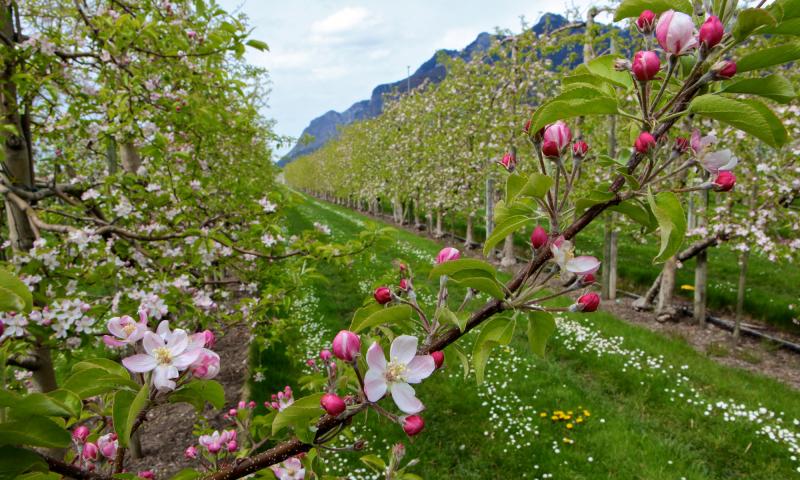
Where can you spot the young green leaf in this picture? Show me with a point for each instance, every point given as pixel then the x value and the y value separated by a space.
pixel 394 314
pixel 632 8
pixel 10 283
pixel 541 326
pixel 750 116
pixel 767 57
pixel 775 87
pixel 299 414
pixel 198 392
pixel 497 331
pixel 126 408
pixel 671 221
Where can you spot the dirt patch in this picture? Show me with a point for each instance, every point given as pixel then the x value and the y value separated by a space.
pixel 168 429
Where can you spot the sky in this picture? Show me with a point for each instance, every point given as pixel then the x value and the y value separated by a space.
pixel 328 54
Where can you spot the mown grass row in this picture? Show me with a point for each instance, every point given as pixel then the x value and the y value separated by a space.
pixel 639 422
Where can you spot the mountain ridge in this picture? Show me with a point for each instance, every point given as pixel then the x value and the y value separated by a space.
pixel 324 127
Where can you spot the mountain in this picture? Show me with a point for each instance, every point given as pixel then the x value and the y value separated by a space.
pixel 325 127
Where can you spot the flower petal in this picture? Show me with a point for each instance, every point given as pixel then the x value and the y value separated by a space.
pixel 163 329
pixel 374 385
pixel 583 265
pixel 115 325
pixel 152 341
pixel 420 368
pixel 406 400
pixel 139 363
pixel 177 342
pixel 112 342
pixel 375 358
pixel 403 349
pixel 162 377
pixel 183 360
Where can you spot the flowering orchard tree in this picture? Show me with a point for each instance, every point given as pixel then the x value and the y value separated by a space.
pixel 92 418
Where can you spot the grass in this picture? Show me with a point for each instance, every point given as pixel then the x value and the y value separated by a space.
pixel 646 395
pixel 771 293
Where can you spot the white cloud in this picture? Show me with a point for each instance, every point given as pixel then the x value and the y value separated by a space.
pixel 329 72
pixel 340 21
pixel 457 38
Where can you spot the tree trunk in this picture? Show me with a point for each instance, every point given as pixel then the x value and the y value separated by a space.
pixel 44 377
pixel 665 310
pixel 130 158
pixel 508 252
pixel 439 233
pixel 469 241
pixel 417 223
pixel 740 293
pixel 701 269
pixel 17 157
pixel 429 217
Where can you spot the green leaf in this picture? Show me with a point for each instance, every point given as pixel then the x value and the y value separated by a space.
pixel 635 211
pixel 483 284
pixel 448 316
pixel 10 283
pixel 671 221
pixel 775 87
pixel 198 392
pixel 70 400
pixel 258 45
pixel 768 57
pixel 514 184
pixel 502 229
pixel 603 66
pixel 541 326
pixel 109 366
pixel 537 186
pixel 34 431
pixel 632 8
pixel 394 314
pixel 749 20
pixel 34 404
pixel 750 116
pixel 374 462
pixel 186 474
pixel 127 407
pixel 595 197
pixel 497 331
pixel 462 357
pixel 576 102
pixel 96 381
pixel 10 301
pixel 15 461
pixel 455 266
pixel 298 415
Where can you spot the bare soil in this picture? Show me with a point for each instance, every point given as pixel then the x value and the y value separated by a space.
pixel 168 430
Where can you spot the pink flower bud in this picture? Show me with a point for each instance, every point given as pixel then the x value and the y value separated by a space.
pixel 325 355
pixel 148 474
pixel 346 345
pixel 252 404
pixel 588 279
pixel 550 149
pixel 538 237
pixel 404 284
pixel 232 412
pixel 332 404
pixel 527 127
pixel 646 22
pixel 509 161
pixel 644 143
pixel 646 65
pixel 190 452
pixel 725 181
pixel 210 338
pixel 580 148
pixel 382 295
pixel 413 424
pixel 438 358
pixel 589 302
pixel 724 69
pixel 310 362
pixel 214 447
pixel 90 452
pixel 681 144
pixel 446 254
pixel 399 451
pixel 232 446
pixel 242 404
pixel 555 139
pixel 675 32
pixel 80 434
pixel 711 32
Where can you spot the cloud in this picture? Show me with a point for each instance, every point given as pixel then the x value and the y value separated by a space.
pixel 329 72
pixel 340 21
pixel 457 38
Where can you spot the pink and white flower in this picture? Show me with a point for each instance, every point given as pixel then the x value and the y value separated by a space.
pixel 403 368
pixel 446 254
pixel 126 330
pixel 108 444
pixel 675 32
pixel 216 441
pixel 291 469
pixel 563 255
pixel 166 355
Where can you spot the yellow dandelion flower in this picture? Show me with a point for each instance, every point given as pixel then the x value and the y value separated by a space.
pixel 586 413
pixel 579 420
pixel 688 288
pixel 569 426
pixel 543 414
pixel 555 419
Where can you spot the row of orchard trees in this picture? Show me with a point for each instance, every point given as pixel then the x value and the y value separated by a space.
pixel 127 128
pixel 436 151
